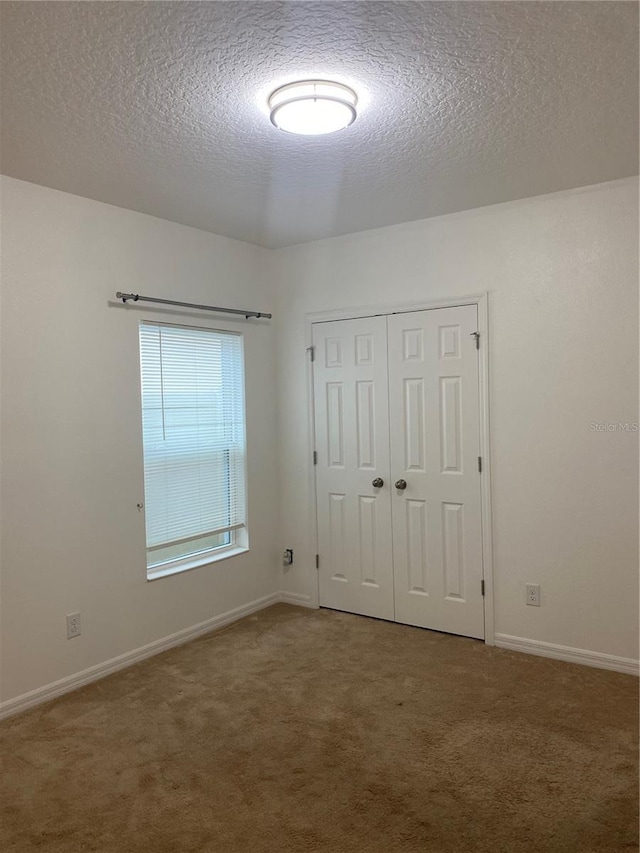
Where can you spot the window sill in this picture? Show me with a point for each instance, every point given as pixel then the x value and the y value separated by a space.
pixel 195 563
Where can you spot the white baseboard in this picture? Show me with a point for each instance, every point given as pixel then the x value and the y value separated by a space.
pixel 296 598
pixel 568 653
pixel 93 673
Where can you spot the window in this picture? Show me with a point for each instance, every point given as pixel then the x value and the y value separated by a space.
pixel 193 433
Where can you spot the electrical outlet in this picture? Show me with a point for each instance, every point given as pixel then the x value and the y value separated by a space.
pixel 287 557
pixel 74 628
pixel 533 594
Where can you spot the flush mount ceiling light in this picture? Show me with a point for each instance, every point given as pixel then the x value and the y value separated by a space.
pixel 313 107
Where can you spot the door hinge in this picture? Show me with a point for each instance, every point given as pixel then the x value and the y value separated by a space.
pixel 476 335
pixel 315 457
pixel 317 561
pixel 312 353
pixel 480 464
pixel 482 586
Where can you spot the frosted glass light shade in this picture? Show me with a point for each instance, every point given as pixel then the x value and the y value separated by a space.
pixel 313 107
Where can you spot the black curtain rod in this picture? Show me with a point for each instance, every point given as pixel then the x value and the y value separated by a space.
pixel 134 297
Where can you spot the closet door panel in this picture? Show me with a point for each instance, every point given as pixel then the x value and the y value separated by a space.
pixel 352 444
pixel 435 440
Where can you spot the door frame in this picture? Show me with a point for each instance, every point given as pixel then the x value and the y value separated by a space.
pixel 481 302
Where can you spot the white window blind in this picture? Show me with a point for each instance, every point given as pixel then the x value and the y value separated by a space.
pixel 193 433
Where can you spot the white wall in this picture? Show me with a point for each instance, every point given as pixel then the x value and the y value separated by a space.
pixel 72 538
pixel 562 276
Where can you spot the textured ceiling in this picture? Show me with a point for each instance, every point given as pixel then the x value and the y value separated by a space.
pixel 160 107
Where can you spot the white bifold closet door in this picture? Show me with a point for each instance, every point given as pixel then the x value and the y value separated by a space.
pixel 352 441
pixel 396 400
pixel 435 440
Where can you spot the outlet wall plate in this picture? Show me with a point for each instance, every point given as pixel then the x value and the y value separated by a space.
pixel 74 626
pixel 533 594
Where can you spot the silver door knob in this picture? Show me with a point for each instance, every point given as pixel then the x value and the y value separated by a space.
pixel 401 484
pixel 378 483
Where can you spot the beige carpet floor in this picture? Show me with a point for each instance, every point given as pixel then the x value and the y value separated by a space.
pixel 299 730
